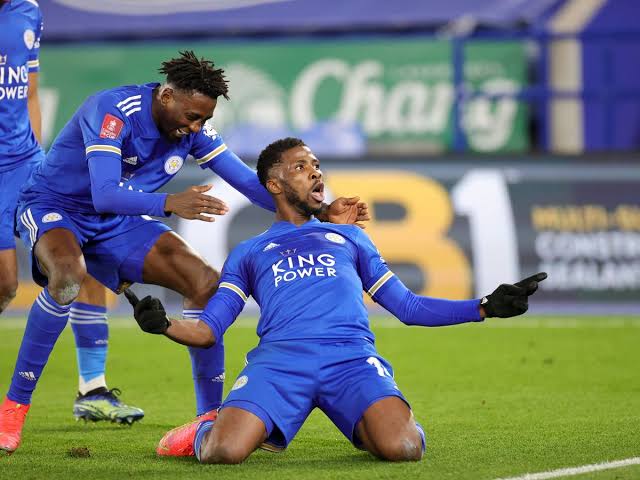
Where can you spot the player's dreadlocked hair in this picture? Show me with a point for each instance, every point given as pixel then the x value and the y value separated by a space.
pixel 189 73
pixel 271 155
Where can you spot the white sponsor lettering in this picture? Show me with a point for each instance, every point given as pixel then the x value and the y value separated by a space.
pixel 592 261
pixel 10 75
pixel 591 275
pixel 14 83
pixel 600 245
pixel 326 260
pixel 305 272
pixel 406 107
pixel 418 102
pixel 15 92
pixel 276 267
pixel 302 266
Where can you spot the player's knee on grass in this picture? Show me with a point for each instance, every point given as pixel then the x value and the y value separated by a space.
pixel 403 447
pixel 388 431
pixel 236 435
pixel 226 451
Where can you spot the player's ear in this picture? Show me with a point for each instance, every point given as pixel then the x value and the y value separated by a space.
pixel 274 187
pixel 166 95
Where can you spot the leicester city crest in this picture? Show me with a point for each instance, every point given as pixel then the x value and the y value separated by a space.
pixel 173 164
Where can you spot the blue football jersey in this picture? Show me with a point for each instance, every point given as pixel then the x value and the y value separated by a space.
pixel 307 280
pixel 117 123
pixel 20 30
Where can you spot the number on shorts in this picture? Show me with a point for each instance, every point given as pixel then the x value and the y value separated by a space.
pixel 382 370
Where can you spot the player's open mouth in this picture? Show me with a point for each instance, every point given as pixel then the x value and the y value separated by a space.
pixel 317 192
pixel 181 133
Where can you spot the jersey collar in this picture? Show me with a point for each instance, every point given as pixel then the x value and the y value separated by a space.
pixel 283 225
pixel 148 128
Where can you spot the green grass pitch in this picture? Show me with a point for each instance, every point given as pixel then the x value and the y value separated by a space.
pixel 496 400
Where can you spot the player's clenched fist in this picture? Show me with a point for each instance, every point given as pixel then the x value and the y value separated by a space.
pixel 511 300
pixel 148 312
pixel 193 203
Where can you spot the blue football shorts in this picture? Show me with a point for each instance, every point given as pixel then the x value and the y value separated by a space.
pixel 114 246
pixel 284 381
pixel 10 183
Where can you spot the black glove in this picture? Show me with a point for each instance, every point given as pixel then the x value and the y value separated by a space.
pixel 511 300
pixel 148 312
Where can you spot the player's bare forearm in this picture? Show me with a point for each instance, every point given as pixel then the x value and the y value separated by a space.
pixel 190 333
pixel 33 106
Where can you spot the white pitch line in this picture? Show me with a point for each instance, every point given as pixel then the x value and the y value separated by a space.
pixel 568 472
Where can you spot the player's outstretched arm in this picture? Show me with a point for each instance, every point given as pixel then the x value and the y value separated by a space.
pixel 152 318
pixel 506 301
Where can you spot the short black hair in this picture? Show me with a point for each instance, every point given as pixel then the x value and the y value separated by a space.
pixel 189 73
pixel 272 155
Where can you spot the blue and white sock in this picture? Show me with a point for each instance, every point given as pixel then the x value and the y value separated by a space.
pixel 201 431
pixel 90 328
pixel 46 321
pixel 207 365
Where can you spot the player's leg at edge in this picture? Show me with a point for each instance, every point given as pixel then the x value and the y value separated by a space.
pixel 9 277
pixel 173 264
pixel 61 259
pixel 88 319
pixel 388 431
pixel 229 439
pixel 10 412
pixel 170 263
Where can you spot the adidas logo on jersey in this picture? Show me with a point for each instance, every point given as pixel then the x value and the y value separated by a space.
pixel 270 246
pixel 28 376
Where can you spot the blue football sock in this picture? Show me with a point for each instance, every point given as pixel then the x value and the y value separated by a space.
pixel 207 365
pixel 46 321
pixel 201 431
pixel 90 328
